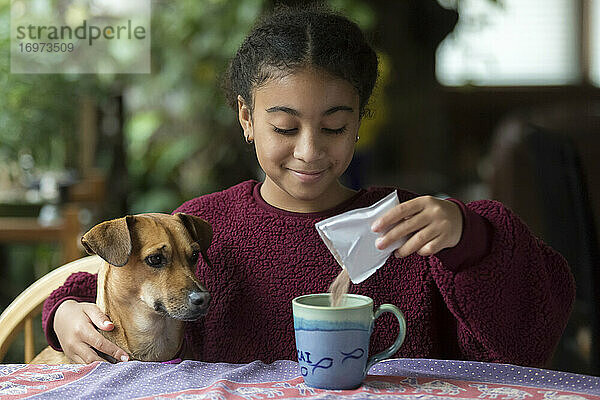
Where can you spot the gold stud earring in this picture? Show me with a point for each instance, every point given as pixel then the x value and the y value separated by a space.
pixel 357 137
pixel 248 140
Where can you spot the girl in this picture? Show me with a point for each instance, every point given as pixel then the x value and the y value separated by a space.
pixel 472 281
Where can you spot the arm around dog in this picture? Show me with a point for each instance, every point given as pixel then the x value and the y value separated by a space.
pixel 75 326
pixel 79 334
pixel 81 287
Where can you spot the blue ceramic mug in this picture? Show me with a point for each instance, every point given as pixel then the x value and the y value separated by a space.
pixel 333 342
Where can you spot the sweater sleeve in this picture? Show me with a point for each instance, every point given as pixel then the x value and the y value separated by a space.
pixel 474 243
pixel 80 286
pixel 513 304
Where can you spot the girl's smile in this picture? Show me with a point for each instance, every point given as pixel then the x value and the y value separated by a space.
pixel 304 126
pixel 308 176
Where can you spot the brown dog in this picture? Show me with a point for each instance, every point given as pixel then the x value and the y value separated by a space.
pixel 147 286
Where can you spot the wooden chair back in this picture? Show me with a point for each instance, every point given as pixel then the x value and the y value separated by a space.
pixel 21 312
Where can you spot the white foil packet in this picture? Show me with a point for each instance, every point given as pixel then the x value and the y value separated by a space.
pixel 349 238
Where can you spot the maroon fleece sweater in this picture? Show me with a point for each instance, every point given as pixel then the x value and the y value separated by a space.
pixel 500 295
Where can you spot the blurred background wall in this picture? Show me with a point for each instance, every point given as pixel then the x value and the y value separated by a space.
pixel 476 99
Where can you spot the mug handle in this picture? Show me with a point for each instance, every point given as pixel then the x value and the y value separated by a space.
pixel 393 348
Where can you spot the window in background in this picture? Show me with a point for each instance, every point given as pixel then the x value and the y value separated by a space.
pixel 511 42
pixel 595 42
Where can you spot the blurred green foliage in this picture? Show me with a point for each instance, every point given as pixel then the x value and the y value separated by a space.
pixel 36 111
pixel 181 139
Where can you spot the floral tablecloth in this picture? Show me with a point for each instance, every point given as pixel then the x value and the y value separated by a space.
pixel 405 379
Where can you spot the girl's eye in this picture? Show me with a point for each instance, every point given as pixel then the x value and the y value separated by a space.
pixel 155 260
pixel 284 131
pixel 336 131
pixel 289 131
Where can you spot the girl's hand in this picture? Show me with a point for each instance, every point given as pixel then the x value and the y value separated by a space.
pixel 432 224
pixel 75 326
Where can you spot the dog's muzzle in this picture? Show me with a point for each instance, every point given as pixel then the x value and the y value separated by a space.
pixel 198 300
pixel 195 307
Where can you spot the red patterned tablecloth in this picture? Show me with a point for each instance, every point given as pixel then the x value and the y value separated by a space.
pixel 405 379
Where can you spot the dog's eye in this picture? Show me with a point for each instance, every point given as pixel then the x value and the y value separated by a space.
pixel 194 257
pixel 155 260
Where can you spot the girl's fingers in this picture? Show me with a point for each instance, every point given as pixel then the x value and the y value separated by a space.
pixel 426 218
pixel 98 318
pixel 100 343
pixel 398 213
pixel 76 359
pixel 416 242
pixel 432 247
pixel 402 230
pixel 85 354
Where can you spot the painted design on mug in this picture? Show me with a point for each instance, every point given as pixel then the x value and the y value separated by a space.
pixel 356 354
pixel 304 356
pixel 325 363
pixel 301 324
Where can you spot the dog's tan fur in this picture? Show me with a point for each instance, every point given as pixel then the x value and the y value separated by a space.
pixel 147 304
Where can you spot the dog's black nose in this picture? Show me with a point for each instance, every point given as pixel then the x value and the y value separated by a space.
pixel 199 299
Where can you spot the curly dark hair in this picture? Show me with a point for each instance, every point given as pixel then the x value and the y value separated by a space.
pixel 290 39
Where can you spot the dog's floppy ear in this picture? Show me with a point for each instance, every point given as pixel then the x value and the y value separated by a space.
pixel 199 229
pixel 110 240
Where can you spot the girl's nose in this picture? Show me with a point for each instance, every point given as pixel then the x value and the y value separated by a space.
pixel 308 147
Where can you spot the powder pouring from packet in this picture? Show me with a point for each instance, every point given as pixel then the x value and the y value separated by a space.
pixel 349 238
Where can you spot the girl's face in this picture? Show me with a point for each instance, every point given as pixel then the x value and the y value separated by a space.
pixel 304 128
